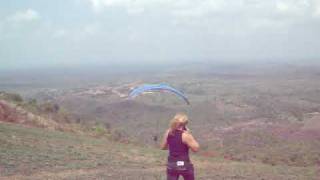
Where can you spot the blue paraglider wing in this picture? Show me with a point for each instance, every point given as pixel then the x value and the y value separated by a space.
pixel 156 87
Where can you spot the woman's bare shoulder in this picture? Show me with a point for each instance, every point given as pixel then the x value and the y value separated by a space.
pixel 186 135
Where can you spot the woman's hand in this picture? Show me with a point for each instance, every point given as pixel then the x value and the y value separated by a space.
pixel 187 130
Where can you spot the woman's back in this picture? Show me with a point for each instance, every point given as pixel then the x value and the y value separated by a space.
pixel 177 149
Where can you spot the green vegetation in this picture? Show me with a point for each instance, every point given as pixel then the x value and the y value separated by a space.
pixel 12 97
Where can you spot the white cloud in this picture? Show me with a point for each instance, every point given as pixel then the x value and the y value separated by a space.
pixel 96 4
pixel 293 7
pixel 132 6
pixel 220 14
pixel 200 9
pixel 91 29
pixel 282 6
pixel 24 16
pixel 193 8
pixel 59 33
pixel 316 8
pixel 177 8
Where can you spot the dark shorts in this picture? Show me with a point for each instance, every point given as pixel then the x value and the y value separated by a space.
pixel 173 173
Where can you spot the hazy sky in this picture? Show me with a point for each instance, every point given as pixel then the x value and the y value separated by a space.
pixel 36 33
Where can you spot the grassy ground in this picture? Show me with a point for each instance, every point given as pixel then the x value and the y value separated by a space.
pixel 33 153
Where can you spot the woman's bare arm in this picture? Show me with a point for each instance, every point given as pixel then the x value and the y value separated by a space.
pixel 188 139
pixel 164 143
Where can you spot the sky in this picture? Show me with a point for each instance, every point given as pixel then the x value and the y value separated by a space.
pixel 43 33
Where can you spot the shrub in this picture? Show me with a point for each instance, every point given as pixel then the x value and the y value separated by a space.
pixel 11 97
pixel 99 130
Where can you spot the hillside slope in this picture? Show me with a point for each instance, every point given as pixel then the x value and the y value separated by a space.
pixel 34 153
pixel 11 112
pixel 35 147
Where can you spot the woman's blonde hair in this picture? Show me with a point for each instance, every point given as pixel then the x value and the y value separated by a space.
pixel 178 121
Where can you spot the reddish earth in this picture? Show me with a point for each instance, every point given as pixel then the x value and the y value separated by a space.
pixel 9 113
pixel 14 114
pixel 306 130
pixel 208 154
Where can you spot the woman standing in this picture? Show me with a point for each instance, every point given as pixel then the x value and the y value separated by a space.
pixel 178 139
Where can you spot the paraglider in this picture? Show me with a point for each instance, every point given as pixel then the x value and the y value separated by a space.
pixel 150 88
pixel 146 88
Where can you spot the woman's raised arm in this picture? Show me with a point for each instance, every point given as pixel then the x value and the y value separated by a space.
pixel 188 139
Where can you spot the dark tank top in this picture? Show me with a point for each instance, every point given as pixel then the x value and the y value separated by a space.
pixel 177 149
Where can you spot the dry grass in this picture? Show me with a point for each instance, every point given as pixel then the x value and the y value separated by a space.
pixel 32 153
